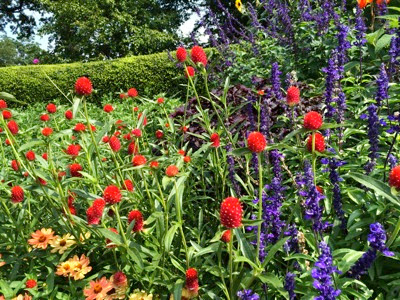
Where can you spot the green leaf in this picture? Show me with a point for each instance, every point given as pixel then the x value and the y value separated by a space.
pixel 383 42
pixel 135 255
pixel 178 289
pixel 241 151
pixel 170 236
pixel 275 248
pixel 246 260
pixel 75 106
pixel 108 234
pixel 379 187
pixel 210 249
pixel 245 247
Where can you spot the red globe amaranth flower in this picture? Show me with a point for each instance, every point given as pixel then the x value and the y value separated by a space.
pixel 17 194
pixel 119 279
pixel 226 236
pixel 293 96
pixel 181 152
pixel 15 165
pixel 108 108
pixel 319 143
pixel 215 140
pixel 30 283
pixel 79 127
pixel 312 121
pixel 127 137
pixel 8 142
pixel 112 194
pixel 394 177
pixel 136 109
pixel 181 54
pixel 187 159
pixel 189 71
pixel 132 92
pixel 13 127
pixel 6 114
pixel 159 134
pixel 73 150
pixel 198 55
pixel 123 96
pixel 319 189
pixel 93 128
pixel 44 156
pixel 138 160
pixel 30 155
pixel 172 171
pixel 261 92
pixel 184 129
pixel 167 125
pixel 108 241
pixel 83 86
pixel 132 148
pixel 98 206
pixel 105 139
pixel 192 282
pixel 128 185
pixel 160 100
pixel 117 133
pixel 47 131
pixel 51 108
pixel 3 104
pixel 136 132
pixel 144 119
pixel 114 143
pixel 45 118
pixel 74 169
pixel 154 164
pixel 136 215
pixel 256 142
pixel 231 212
pixel 69 115
pixel 92 217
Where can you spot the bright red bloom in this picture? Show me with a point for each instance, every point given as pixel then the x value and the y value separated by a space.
pixel 120 279
pixel 8 142
pixel 47 131
pixel 7 114
pixel 117 133
pixel 181 54
pixel 226 236
pixel 167 125
pixel 30 155
pixel 160 100
pixel 42 181
pixel 69 115
pixel 319 143
pixel 83 86
pixel 17 194
pixel 137 132
pixel 127 137
pixel 154 164
pixel 144 119
pixel 73 150
pixel 44 156
pixel 108 108
pixel 45 117
pixel 132 148
pixel 123 96
pixel 74 169
pixel 13 127
pixel 181 152
pixel 15 165
pixel 105 139
pixel 192 282
pixel 136 215
pixel 30 283
pixel 114 143
pixel 3 104
pixel 138 160
pixel 187 159
pixel 98 206
pixel 128 185
pixel 231 212
pixel 261 92
pixel 215 140
pixel 172 171
pixel 132 92
pixel 112 194
pixel 394 177
pixel 256 142
pixel 93 128
pixel 51 108
pixel 92 217
pixel 313 121
pixel 184 129
pixel 293 96
pixel 189 72
pixel 319 189
pixel 159 134
pixel 198 55
pixel 79 127
pixel 363 3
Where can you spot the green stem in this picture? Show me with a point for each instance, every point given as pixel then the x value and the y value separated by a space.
pixel 180 223
pixel 260 193
pixel 231 265
pixel 394 234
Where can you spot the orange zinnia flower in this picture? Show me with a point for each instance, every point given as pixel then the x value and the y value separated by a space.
pixel 363 3
pixel 75 267
pixel 98 289
pixel 41 238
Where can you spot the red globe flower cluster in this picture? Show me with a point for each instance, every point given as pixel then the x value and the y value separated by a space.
pixel 128 185
pixel 114 143
pixel 51 108
pixel 231 213
pixel 30 283
pixel 112 194
pixel 83 86
pixel 198 55
pixel 132 92
pixel 13 127
pixel 187 159
pixel 215 140
pixel 226 236
pixel 15 165
pixel 293 96
pixel 192 281
pixel 256 142
pixel 312 120
pixel 160 100
pixel 319 143
pixel 74 170
pixel 71 199
pixel 181 54
pixel 189 71
pixel 45 117
pixel 73 150
pixel 139 160
pixel 108 108
pixel 159 134
pixel 3 104
pixel 394 177
pixel 132 148
pixel 95 212
pixel 30 155
pixel 68 115
pixel 17 194
pixel 172 171
pixel 79 127
pixel 136 132
pixel 7 114
pixel 154 164
pixel 47 131
pixel 136 215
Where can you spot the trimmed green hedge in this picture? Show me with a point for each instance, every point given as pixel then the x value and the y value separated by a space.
pixel 149 74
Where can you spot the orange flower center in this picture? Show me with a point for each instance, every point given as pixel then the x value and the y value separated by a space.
pixel 66 267
pixel 78 265
pixel 97 288
pixel 63 243
pixel 42 239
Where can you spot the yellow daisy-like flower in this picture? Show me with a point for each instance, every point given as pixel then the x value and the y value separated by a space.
pixel 22 297
pixel 41 238
pixel 74 267
pixel 65 268
pixel 140 295
pixel 61 244
pixel 84 237
pixel 238 4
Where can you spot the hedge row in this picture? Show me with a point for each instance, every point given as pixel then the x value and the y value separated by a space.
pixel 150 74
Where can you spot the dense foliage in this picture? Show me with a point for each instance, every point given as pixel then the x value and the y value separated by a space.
pixel 274 177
